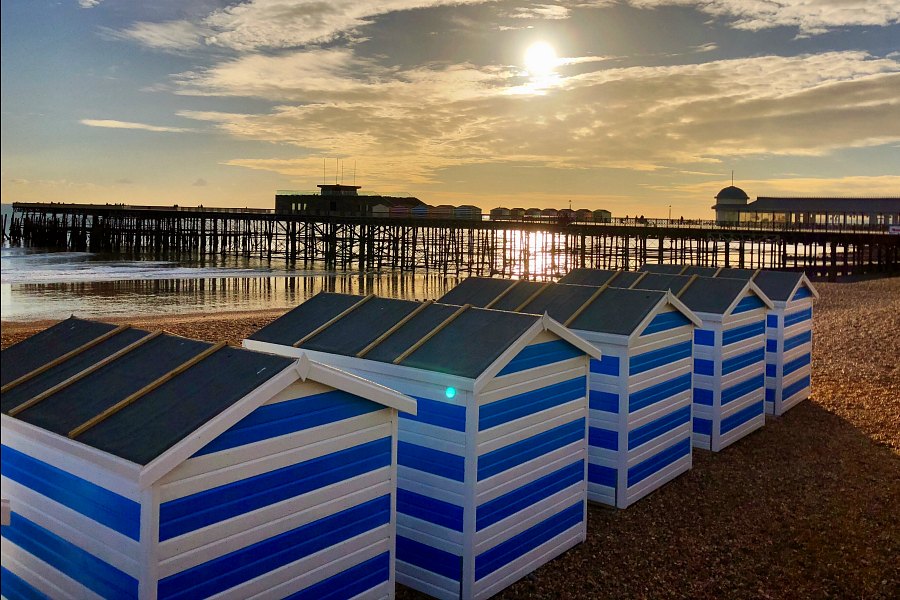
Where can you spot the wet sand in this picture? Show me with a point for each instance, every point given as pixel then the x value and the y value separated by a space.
pixel 807 507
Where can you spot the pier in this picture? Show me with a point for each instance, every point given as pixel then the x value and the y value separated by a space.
pixel 529 249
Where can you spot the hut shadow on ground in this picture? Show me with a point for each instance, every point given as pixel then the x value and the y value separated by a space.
pixel 806 507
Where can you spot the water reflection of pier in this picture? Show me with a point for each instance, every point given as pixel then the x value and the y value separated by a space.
pixel 528 249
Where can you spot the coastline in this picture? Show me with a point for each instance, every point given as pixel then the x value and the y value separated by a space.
pixel 806 507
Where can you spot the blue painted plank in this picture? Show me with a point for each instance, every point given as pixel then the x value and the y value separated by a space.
pixel 704 366
pixel 607 365
pixel 798 363
pixel 520 452
pixel 537 355
pixel 529 494
pixel 736 363
pixel 795 387
pixel 771 369
pixel 741 417
pixel 772 321
pixel 657 427
pixel 771 345
pixel 429 460
pixel 506 552
pixel 802 292
pixel 703 396
pixel 797 317
pixel 704 337
pixel 14 587
pixel 441 414
pixel 430 509
pixel 89 499
pixel 531 402
pixel 429 558
pixel 658 392
pixel 67 558
pixel 744 332
pixel 232 569
pixel 349 583
pixel 745 387
pixel 601 475
pixel 797 340
pixel 665 322
pixel 747 304
pixel 657 358
pixel 702 426
pixel 603 438
pixel 605 401
pixel 648 467
pixel 182 515
pixel 291 416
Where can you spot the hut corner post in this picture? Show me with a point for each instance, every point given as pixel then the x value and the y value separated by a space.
pixel 149 528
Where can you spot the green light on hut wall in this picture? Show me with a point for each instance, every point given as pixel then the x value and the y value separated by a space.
pixel 450 392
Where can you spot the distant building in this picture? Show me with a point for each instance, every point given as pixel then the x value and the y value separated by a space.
pixel 733 206
pixel 338 200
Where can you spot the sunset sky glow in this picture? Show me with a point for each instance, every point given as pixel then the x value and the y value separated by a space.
pixel 629 105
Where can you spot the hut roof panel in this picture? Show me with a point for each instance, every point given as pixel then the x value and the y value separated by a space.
pixel 595 277
pixel 411 332
pixel 712 295
pixel 171 412
pixel 701 271
pixel 663 282
pixel 471 342
pixel 617 311
pixel 662 268
pixel 560 301
pixel 732 273
pixel 360 327
pixel 294 325
pixel 477 291
pixel 88 397
pixel 43 347
pixel 522 292
pixel 777 285
pixel 46 380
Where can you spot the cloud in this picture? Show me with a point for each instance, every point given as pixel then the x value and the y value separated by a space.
pixel 172 36
pixel 809 16
pixel 850 186
pixel 124 181
pixel 113 124
pixel 199 182
pixel 708 47
pixel 541 11
pixel 88 3
pixel 409 125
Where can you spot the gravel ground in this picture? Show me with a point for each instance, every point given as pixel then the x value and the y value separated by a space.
pixel 807 507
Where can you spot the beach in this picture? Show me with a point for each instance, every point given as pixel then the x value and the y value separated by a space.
pixel 806 507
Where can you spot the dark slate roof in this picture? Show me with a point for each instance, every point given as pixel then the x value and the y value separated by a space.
pixel 598 277
pixel 701 271
pixel 712 295
pixel 732 193
pixel 477 291
pixel 733 273
pixel 617 311
pixel 662 268
pixel 663 282
pixel 778 285
pixel 466 347
pixel 157 420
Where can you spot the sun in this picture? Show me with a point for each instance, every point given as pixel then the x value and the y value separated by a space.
pixel 540 59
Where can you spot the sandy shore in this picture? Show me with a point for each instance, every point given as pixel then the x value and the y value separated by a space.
pixel 807 507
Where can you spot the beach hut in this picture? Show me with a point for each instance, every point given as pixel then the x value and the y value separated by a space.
pixel 788 334
pixel 598 277
pixel 467 211
pixel 441 211
pixel 400 211
pixel 420 211
pixel 640 390
pixel 533 214
pixel 517 213
pixel 381 210
pixel 788 331
pixel 147 465
pixel 729 354
pixel 492 469
pixel 583 215
pixel 500 213
pixel 602 216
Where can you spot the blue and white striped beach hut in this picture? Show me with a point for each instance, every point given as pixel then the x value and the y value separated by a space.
pixel 729 354
pixel 146 465
pixel 492 471
pixel 640 391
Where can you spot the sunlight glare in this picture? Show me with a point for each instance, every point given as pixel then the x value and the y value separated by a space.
pixel 540 59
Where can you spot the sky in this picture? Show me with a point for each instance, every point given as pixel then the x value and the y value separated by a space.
pixel 636 106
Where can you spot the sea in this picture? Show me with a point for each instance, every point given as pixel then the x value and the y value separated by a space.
pixel 39 284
